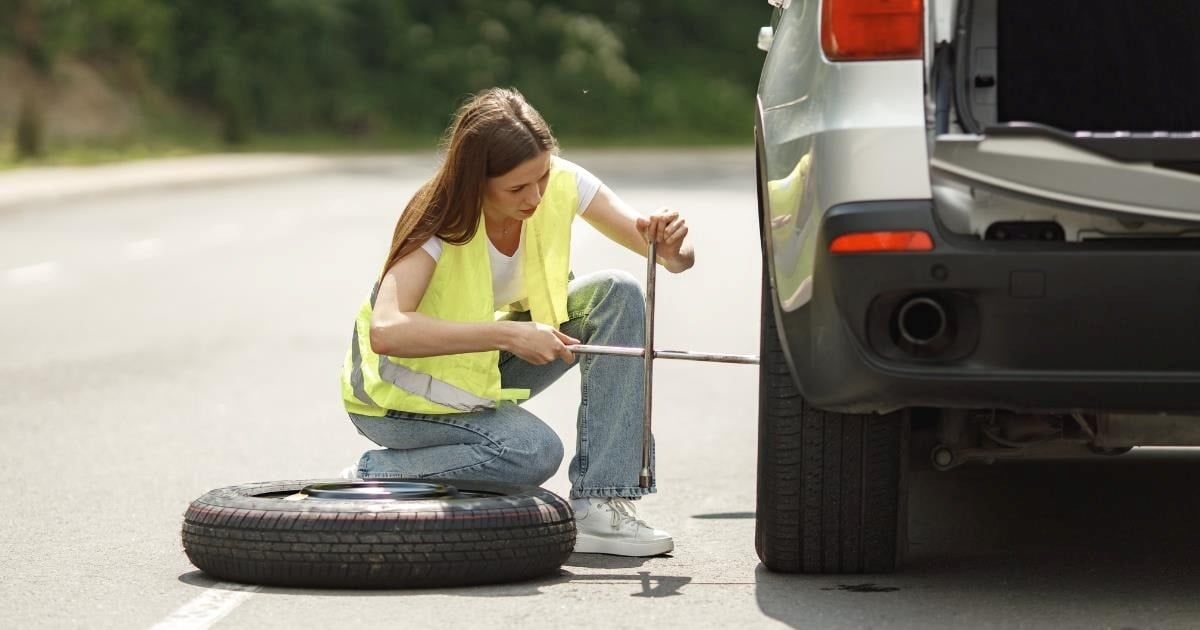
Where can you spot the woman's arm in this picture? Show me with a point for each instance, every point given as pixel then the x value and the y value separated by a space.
pixel 397 330
pixel 617 220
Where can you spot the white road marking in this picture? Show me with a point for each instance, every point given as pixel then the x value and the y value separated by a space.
pixel 143 249
pixel 208 608
pixel 31 274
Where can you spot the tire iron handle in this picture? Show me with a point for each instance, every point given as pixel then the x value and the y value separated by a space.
pixel 679 355
pixel 645 480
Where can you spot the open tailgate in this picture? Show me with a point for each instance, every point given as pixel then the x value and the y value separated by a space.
pixel 1141 174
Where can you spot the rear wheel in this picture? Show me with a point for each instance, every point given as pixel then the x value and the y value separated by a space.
pixel 830 485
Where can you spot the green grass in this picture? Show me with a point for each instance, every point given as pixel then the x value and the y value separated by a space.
pixel 678 139
pixel 79 155
pixel 194 142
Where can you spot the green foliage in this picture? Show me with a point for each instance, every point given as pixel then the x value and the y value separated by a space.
pixel 44 30
pixel 29 130
pixel 361 68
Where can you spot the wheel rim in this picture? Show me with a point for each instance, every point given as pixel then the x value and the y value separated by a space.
pixel 376 490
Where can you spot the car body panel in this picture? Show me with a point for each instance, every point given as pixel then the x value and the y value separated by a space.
pixel 851 145
pixel 821 120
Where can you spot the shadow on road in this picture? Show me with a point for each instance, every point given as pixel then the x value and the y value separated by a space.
pixel 645 583
pixel 1085 543
pixel 602 561
pixel 724 515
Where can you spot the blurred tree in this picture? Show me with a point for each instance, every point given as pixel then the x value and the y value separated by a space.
pixel 358 67
pixel 277 65
pixel 29 135
pixel 27 39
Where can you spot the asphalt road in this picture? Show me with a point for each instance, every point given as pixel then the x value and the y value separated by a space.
pixel 163 343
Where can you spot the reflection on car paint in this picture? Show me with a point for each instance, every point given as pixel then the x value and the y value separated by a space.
pixel 787 197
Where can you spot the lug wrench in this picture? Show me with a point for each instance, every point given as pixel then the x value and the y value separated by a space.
pixel 649 354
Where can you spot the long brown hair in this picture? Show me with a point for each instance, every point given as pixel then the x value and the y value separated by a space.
pixel 492 133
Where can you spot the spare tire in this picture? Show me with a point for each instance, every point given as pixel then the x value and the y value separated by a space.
pixel 378 534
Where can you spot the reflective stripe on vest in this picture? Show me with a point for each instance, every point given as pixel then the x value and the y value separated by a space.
pixel 413 382
pixel 356 375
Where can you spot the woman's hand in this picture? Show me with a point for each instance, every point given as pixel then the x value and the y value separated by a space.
pixel 539 344
pixel 620 222
pixel 666 228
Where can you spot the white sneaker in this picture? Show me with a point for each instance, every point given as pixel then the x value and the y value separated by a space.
pixel 611 525
pixel 350 473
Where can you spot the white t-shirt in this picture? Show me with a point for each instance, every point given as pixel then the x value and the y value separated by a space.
pixel 508 285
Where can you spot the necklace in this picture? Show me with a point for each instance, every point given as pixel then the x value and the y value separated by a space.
pixel 508 224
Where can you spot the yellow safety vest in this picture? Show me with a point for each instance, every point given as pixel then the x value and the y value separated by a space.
pixel 461 291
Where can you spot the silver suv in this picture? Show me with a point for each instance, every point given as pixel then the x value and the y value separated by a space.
pixel 981 238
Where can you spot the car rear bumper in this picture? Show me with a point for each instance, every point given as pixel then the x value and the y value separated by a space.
pixel 1048 326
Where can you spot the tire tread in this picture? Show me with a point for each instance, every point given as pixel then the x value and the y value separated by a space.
pixel 829 484
pixel 335 546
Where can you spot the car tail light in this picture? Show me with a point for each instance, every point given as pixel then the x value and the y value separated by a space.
pixel 868 242
pixel 862 30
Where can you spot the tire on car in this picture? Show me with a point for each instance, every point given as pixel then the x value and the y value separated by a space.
pixel 830 485
pixel 378 534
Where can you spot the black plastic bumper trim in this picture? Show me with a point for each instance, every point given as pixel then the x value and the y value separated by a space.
pixel 1111 326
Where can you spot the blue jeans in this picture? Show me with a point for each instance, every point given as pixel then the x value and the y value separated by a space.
pixel 510 444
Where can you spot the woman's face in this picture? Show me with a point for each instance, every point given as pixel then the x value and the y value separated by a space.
pixel 517 193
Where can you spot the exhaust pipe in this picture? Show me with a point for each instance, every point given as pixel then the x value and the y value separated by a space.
pixel 922 321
